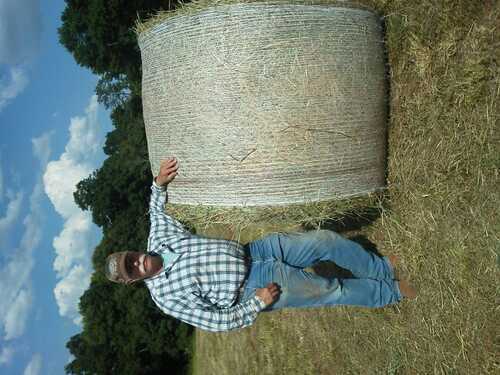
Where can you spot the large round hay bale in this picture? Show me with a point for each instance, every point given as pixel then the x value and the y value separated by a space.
pixel 267 104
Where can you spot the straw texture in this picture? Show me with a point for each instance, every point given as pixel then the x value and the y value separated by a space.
pixel 267 104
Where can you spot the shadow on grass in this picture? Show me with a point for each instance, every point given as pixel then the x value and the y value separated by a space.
pixel 330 270
pixel 349 225
pixel 351 221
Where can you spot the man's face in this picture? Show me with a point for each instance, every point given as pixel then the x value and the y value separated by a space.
pixel 138 265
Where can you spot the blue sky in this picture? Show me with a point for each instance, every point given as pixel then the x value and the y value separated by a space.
pixel 51 135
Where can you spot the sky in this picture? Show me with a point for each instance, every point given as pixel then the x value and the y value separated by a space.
pixel 51 135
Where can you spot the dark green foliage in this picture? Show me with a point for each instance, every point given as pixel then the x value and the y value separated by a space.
pixel 99 33
pixel 112 91
pixel 121 186
pixel 123 331
pixel 100 36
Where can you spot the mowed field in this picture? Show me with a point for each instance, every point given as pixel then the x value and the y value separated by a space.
pixel 440 215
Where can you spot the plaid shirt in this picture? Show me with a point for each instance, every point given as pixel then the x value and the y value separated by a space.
pixel 201 286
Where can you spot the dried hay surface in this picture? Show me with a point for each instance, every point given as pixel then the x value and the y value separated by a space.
pixel 267 104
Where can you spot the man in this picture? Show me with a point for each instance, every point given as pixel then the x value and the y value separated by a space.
pixel 220 285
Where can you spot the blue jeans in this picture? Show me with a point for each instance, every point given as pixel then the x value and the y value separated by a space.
pixel 281 257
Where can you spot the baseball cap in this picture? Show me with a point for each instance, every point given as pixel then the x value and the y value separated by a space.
pixel 115 269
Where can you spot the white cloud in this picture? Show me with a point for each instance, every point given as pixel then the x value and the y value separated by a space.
pixel 6 355
pixel 42 148
pixel 69 290
pixel 20 30
pixel 60 181
pixel 1 184
pixel 11 216
pixel 20 35
pixel 34 366
pixel 15 320
pixel 85 135
pixel 17 297
pixel 79 159
pixel 17 83
pixel 32 223
pixel 75 243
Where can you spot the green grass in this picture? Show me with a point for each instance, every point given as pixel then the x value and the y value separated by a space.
pixel 440 214
pixel 191 369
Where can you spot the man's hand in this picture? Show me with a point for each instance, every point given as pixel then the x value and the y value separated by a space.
pixel 269 294
pixel 168 171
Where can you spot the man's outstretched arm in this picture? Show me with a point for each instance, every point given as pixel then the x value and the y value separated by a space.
pixel 212 318
pixel 162 225
pixel 167 173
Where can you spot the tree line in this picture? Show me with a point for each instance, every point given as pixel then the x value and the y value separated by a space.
pixel 123 331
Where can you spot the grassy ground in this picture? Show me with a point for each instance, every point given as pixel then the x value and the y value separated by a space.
pixel 440 215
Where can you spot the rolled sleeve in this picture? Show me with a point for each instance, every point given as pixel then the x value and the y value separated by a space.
pixel 162 224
